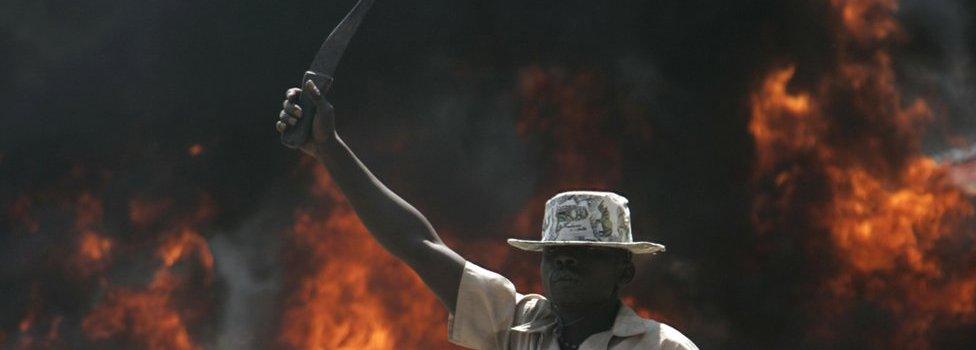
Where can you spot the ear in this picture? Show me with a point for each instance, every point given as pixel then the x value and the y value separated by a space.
pixel 627 272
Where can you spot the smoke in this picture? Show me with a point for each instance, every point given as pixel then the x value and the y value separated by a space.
pixel 107 98
pixel 247 263
pixel 938 64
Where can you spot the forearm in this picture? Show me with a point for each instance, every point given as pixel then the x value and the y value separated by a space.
pixel 394 223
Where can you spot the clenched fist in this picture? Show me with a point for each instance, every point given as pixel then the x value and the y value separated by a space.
pixel 323 127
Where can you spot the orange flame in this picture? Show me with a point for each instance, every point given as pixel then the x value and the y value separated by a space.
pixel 143 317
pixel 142 213
pixel 149 317
pixel 345 291
pixel 156 316
pixel 195 150
pixel 93 253
pixel 888 210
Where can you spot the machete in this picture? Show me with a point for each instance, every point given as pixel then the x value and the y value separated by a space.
pixel 322 70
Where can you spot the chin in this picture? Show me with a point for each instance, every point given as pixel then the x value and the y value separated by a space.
pixel 565 299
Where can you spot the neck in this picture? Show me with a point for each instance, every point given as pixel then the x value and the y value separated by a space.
pixel 579 321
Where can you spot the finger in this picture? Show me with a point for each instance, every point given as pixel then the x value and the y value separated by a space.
pixel 293 94
pixel 281 126
pixel 315 94
pixel 287 118
pixel 283 115
pixel 291 108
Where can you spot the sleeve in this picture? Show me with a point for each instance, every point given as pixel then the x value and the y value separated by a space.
pixel 485 309
pixel 674 340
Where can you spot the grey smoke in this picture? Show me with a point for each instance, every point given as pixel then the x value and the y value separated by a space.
pixel 941 60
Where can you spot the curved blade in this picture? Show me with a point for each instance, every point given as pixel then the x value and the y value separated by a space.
pixel 327 58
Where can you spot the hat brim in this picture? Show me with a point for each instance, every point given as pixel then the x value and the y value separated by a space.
pixel 633 247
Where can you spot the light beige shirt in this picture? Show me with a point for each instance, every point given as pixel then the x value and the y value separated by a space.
pixel 491 315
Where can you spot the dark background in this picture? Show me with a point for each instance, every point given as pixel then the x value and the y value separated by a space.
pixel 427 97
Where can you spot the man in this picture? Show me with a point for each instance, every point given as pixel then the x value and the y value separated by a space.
pixel 586 258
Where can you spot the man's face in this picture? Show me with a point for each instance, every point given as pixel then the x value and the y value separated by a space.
pixel 583 275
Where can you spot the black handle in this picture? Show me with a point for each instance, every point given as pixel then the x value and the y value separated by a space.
pixel 296 135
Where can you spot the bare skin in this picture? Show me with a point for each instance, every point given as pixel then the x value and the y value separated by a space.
pixel 575 279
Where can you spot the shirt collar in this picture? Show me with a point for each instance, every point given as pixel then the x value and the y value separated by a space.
pixel 626 324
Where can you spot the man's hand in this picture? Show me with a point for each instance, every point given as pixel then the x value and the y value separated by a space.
pixel 323 127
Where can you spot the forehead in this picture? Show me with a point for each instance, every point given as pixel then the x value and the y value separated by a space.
pixel 579 251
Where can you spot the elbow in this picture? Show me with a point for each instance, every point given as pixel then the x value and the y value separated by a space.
pixel 420 253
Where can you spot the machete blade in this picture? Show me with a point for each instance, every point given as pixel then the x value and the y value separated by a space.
pixel 322 70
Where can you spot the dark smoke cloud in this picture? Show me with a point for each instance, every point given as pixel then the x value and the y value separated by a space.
pixel 426 97
pixel 939 64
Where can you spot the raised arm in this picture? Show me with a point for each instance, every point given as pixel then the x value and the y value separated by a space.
pixel 399 227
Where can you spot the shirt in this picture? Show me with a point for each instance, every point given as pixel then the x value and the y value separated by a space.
pixel 490 315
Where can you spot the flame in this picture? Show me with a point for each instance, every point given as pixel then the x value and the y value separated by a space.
pixel 350 294
pixel 142 212
pixel 569 110
pixel 564 111
pixel 157 316
pixel 160 313
pixel 143 317
pixel 186 241
pixel 94 251
pixel 345 291
pixel 195 150
pixel 20 212
pixel 569 113
pixel 93 248
pixel 843 159
pixel 151 317
pixel 31 334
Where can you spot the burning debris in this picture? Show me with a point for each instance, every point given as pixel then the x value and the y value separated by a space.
pixel 343 291
pixel 840 170
pixel 858 239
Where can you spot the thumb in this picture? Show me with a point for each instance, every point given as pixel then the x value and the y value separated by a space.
pixel 315 94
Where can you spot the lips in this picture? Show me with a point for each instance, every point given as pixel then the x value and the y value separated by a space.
pixel 566 278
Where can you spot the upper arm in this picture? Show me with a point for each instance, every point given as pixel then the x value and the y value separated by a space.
pixel 440 268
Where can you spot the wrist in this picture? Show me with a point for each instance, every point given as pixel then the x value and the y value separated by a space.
pixel 327 147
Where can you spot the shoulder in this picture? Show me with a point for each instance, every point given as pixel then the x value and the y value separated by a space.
pixel 670 338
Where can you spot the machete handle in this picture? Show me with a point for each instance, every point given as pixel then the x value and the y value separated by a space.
pixel 296 135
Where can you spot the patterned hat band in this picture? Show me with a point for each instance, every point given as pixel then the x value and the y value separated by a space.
pixel 587 218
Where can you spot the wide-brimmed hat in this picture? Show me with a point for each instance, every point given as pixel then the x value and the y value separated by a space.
pixel 587 218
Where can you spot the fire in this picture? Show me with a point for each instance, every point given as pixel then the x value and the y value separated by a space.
pixel 142 212
pixel 118 295
pixel 568 112
pixel 195 150
pixel 142 318
pixel 187 241
pixel 93 252
pixel 565 111
pixel 344 291
pixel 161 314
pixel 868 21
pixel 843 160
